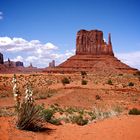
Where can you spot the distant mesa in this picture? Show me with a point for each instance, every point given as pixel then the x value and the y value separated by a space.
pixel 19 64
pixel 92 54
pixel 31 65
pixel 13 64
pixel 1 58
pixel 52 64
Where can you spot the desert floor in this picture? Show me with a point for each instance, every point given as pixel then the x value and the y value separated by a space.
pixel 49 90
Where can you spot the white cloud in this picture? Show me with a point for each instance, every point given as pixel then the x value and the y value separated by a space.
pixel 49 46
pixel 31 58
pixel 130 58
pixel 18 58
pixel 1 15
pixel 20 44
pixel 40 54
pixel 5 41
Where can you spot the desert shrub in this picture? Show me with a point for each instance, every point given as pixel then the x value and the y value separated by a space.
pixel 5 94
pixel 49 82
pixel 134 111
pixel 137 73
pixel 120 74
pixel 47 114
pixel 109 82
pixel 83 74
pixel 118 109
pixel 4 112
pixel 79 120
pixel 65 81
pixel 130 84
pixel 29 117
pixel 92 115
pixel 84 82
pixel 81 111
pixel 55 121
pixel 43 94
pixel 70 110
pixel 97 97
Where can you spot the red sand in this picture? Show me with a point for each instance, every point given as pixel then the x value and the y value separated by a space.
pixel 117 128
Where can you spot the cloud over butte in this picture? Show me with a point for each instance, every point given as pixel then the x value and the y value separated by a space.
pixel 32 51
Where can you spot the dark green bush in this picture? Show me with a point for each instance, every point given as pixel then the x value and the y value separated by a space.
pixel 83 73
pixel 131 84
pixel 79 120
pixel 55 121
pixel 109 82
pixel 47 114
pixel 93 115
pixel 65 80
pixel 134 111
pixel 84 82
pixel 97 97
pixel 70 110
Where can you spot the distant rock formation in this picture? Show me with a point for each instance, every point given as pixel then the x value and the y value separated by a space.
pixel 93 54
pixel 31 65
pixel 13 64
pixel 10 63
pixel 19 64
pixel 1 59
pixel 92 42
pixel 52 64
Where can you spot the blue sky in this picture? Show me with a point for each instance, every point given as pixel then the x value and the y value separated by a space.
pixel 46 29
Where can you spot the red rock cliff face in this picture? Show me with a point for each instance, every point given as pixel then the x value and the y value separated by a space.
pixel 91 42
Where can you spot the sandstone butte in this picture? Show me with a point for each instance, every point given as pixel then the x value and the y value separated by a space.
pixel 93 54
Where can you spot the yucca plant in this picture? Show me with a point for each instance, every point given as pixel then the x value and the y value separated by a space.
pixel 29 117
pixel 28 114
pixel 16 93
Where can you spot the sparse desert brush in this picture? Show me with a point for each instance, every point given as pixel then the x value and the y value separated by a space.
pixel 44 93
pixel 4 112
pixel 65 81
pixel 70 110
pixel 47 114
pixel 137 73
pixel 130 84
pixel 55 114
pixel 102 114
pixel 134 111
pixel 5 93
pixel 118 109
pixel 84 82
pixel 78 119
pixel 98 97
pixel 83 74
pixel 109 82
